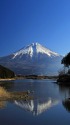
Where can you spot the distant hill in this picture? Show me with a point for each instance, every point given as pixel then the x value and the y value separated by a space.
pixel 6 73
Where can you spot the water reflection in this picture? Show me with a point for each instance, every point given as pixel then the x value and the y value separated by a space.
pixel 46 95
pixel 8 85
pixel 66 104
pixel 11 96
pixel 36 107
pixel 2 104
pixel 65 92
pixel 50 95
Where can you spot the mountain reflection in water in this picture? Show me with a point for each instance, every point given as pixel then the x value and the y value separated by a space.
pixel 46 95
pixel 36 106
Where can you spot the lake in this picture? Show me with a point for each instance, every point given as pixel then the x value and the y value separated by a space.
pixel 50 104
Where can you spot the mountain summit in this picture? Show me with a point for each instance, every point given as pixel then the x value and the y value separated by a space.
pixel 33 59
pixel 33 49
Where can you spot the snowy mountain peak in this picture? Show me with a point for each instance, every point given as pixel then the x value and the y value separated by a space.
pixel 33 49
pixel 35 44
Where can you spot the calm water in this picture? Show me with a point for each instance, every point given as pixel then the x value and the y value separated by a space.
pixel 50 106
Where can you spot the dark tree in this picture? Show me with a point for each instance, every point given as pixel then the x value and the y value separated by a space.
pixel 66 60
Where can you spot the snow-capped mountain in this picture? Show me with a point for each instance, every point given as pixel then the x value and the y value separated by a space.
pixel 33 59
pixel 34 49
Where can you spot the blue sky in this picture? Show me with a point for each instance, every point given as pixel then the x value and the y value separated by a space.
pixel 25 21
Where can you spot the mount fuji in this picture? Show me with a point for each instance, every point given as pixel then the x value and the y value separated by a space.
pixel 33 59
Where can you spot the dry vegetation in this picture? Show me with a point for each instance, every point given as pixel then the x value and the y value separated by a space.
pixel 5 95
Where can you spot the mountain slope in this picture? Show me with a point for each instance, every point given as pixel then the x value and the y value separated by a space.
pixel 33 59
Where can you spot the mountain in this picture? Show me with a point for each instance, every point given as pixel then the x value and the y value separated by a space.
pixel 6 73
pixel 33 59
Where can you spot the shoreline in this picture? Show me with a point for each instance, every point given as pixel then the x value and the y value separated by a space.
pixel 7 79
pixel 28 77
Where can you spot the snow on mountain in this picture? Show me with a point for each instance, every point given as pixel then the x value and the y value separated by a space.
pixel 33 59
pixel 34 49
